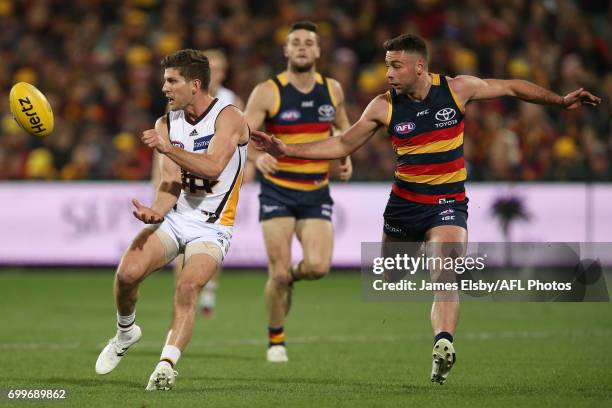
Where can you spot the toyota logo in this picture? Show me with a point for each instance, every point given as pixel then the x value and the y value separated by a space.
pixel 326 111
pixel 445 114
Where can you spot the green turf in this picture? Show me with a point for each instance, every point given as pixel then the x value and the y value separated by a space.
pixel 343 352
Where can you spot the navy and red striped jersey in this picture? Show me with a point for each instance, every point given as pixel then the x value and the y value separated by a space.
pixel 301 118
pixel 427 137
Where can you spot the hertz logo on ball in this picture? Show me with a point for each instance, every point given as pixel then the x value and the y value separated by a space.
pixel 31 109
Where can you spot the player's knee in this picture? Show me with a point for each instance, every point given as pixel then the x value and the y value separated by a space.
pixel 129 274
pixel 315 269
pixel 280 279
pixel 187 291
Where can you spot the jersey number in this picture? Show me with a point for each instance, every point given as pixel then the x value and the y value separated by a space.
pixel 194 184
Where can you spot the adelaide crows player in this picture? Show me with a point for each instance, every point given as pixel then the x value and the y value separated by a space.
pixel 424 116
pixel 299 106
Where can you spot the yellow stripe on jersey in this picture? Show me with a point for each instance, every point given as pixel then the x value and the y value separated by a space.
pixel 435 79
pixel 282 78
pixel 296 185
pixel 318 78
pixel 277 99
pixel 293 138
pixel 331 93
pixel 321 167
pixel 228 216
pixel 434 179
pixel 459 105
pixel 433 147
pixel 390 110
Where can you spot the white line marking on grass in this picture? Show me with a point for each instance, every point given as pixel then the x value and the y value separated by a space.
pixel 340 339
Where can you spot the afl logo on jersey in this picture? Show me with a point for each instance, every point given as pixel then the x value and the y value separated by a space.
pixel 445 114
pixel 290 115
pixel 404 128
pixel 177 144
pixel 327 113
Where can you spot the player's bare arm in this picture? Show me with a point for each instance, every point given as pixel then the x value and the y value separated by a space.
pixel 374 116
pixel 230 130
pixel 341 123
pixel 168 189
pixel 260 104
pixel 468 88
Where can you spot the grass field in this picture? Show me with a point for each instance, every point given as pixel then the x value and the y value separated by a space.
pixel 343 352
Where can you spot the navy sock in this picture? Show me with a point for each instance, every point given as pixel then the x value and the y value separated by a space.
pixel 443 335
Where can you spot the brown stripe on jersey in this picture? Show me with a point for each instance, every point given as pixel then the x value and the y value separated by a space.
pixel 203 115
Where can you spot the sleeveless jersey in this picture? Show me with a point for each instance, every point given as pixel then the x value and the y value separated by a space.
pixel 427 137
pixel 214 199
pixel 301 118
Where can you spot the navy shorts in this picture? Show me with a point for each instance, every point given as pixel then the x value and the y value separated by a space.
pixel 409 221
pixel 276 201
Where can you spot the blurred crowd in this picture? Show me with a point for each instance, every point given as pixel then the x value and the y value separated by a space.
pixel 98 63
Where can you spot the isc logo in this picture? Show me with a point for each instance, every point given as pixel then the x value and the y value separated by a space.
pixel 404 127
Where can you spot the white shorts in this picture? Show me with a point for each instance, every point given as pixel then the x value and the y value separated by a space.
pixel 185 230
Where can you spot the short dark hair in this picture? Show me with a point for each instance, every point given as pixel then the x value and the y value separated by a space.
pixel 192 64
pixel 304 25
pixel 408 43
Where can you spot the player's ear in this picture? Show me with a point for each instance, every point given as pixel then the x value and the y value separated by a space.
pixel 285 51
pixel 196 84
pixel 420 65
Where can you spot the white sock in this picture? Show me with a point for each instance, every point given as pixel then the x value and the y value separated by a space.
pixel 125 323
pixel 211 285
pixel 163 363
pixel 170 355
pixel 207 298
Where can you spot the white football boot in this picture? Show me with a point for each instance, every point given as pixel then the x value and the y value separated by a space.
pixel 443 360
pixel 277 354
pixel 162 379
pixel 114 351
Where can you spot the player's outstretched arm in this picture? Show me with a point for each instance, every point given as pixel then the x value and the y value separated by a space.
pixel 335 147
pixel 230 128
pixel 468 88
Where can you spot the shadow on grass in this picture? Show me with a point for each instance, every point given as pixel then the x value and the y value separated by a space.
pixel 202 355
pixel 284 385
pixel 61 382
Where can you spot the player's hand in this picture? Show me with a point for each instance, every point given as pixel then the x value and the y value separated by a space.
pixel 267 143
pixel 346 168
pixel 152 139
pixel 578 98
pixel 266 164
pixel 146 214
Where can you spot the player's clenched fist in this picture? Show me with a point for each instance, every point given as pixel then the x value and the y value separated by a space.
pixel 266 163
pixel 152 139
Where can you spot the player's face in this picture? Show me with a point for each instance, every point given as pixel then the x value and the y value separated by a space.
pixel 178 89
pixel 403 70
pixel 302 50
